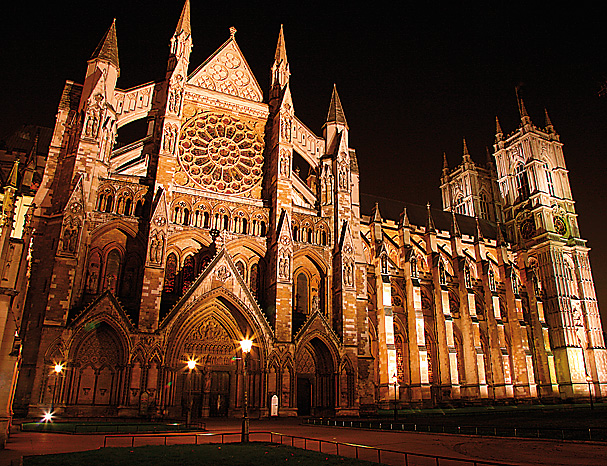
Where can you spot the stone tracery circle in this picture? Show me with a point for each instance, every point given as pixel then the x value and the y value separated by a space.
pixel 221 153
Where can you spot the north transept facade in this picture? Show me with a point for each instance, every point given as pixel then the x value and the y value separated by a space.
pixel 203 233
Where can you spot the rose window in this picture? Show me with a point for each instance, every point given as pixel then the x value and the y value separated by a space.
pixel 221 153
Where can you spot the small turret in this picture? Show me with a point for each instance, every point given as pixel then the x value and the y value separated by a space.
pixel 107 49
pixel 181 42
pixel 445 166
pixel 336 118
pixel 499 134
pixel 548 122
pixel 525 120
pixel 280 72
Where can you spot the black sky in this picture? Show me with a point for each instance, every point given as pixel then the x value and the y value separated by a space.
pixel 413 80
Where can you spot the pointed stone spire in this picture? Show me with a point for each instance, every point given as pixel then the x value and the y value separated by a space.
pixel 500 236
pixel 404 218
pixel 489 159
pixel 336 112
pixel 280 73
pixel 499 134
pixel 377 227
pixel 466 156
pixel 429 221
pixel 31 163
pixel 12 178
pixel 184 20
pixel 548 122
pixel 525 120
pixel 281 51
pixel 455 231
pixel 445 164
pixel 108 47
pixel 376 214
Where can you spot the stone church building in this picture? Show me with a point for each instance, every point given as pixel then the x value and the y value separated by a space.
pixel 181 244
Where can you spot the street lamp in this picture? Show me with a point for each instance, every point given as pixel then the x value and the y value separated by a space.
pixel 395 397
pixel 245 346
pixel 58 369
pixel 188 416
pixel 589 381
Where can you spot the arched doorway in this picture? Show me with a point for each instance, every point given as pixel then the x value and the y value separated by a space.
pixel 98 363
pixel 210 333
pixel 315 369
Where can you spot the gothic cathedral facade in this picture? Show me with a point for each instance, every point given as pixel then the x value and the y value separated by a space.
pixel 201 234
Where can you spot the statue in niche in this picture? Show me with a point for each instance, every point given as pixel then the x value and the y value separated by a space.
pixel 315 303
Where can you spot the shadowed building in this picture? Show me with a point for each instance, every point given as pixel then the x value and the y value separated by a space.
pixel 203 232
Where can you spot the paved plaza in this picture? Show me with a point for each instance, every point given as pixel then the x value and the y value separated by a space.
pixel 511 450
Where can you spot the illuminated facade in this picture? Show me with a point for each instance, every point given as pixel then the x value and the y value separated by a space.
pixel 202 233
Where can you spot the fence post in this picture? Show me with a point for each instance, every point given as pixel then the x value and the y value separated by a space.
pixel 379 456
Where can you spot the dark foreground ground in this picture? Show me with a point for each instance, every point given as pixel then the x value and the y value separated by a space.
pixel 521 451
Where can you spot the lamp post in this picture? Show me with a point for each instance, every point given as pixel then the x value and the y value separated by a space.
pixel 188 413
pixel 58 369
pixel 395 397
pixel 245 346
pixel 589 381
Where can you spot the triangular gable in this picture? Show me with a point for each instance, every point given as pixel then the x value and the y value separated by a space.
pixel 75 202
pixel 227 71
pixel 317 322
pixel 105 306
pixel 222 276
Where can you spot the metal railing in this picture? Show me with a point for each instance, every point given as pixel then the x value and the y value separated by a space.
pixel 109 427
pixel 351 450
pixel 551 433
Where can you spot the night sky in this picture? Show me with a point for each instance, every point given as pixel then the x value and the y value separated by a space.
pixel 413 80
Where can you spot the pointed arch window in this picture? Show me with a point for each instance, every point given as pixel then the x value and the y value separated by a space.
pixel 484 206
pixel 241 269
pixel 112 271
pixel 549 181
pixel 254 280
pixel 522 181
pixel 188 273
pixel 170 273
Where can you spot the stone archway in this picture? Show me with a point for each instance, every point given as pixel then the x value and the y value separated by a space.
pixel 315 378
pixel 97 371
pixel 210 333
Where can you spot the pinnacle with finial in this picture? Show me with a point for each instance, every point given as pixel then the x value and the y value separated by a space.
pixel 12 178
pixel 108 47
pixel 455 231
pixel 466 156
pixel 430 221
pixel 404 218
pixel 376 214
pixel 445 163
pixel 336 112
pixel 498 127
pixel 281 49
pixel 547 120
pixel 479 231
pixel 184 20
pixel 522 110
